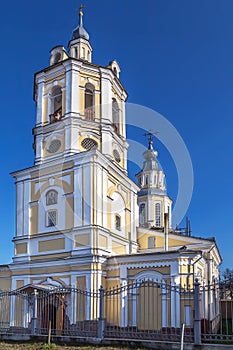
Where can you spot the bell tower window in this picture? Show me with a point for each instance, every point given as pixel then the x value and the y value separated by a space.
pixel 115 115
pixel 157 215
pixel 56 104
pixel 142 214
pixel 89 102
pixel 76 52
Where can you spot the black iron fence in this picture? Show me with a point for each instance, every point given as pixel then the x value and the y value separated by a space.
pixel 216 312
pixel 142 310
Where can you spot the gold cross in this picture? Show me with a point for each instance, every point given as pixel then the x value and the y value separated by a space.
pixel 80 9
pixel 151 135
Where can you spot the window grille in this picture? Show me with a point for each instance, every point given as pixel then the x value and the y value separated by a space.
pixel 89 144
pixel 157 215
pixel 51 218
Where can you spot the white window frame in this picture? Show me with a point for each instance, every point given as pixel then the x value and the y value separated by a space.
pixel 140 222
pixel 158 221
pixel 48 217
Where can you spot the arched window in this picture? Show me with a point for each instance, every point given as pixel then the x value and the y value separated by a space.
pixel 89 102
pixel 83 52
pixel 51 197
pixel 51 214
pixel 142 214
pixel 118 222
pixel 55 104
pixel 147 177
pixel 76 52
pixel 115 115
pixel 157 214
pixel 57 57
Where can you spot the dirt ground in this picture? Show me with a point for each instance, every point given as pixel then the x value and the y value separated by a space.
pixel 40 346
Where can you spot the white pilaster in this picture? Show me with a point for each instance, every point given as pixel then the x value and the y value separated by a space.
pixel 87 194
pixel 106 143
pixel 27 195
pixel 106 105
pixel 78 193
pixel 75 91
pixel 123 121
pixel 100 198
pixel 68 88
pixel 40 100
pixel 105 204
pixel 39 147
pixel 19 209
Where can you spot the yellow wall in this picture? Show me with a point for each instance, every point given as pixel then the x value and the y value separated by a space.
pixel 82 240
pixel 21 248
pixel 51 244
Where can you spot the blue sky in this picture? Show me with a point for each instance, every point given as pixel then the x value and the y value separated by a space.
pixel 176 57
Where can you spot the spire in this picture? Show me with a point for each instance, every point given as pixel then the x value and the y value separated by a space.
pixel 150 154
pixel 151 178
pixel 151 136
pixel 80 31
pixel 154 204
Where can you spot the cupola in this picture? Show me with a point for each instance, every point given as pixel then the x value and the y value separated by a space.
pixel 79 46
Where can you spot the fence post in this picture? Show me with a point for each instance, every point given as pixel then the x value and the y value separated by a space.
pixel 197 320
pixel 34 313
pixel 101 321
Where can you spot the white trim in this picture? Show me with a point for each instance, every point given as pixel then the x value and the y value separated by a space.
pixel 60 207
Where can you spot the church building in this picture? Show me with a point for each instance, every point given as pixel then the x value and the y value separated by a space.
pixel 81 222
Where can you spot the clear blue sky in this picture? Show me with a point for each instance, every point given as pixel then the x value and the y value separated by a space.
pixel 176 58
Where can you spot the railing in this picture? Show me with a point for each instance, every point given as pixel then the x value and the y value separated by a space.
pixel 89 114
pixel 216 314
pixel 146 310
pixel 140 310
pixel 55 117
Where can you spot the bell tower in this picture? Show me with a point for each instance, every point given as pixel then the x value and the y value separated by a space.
pixel 80 105
pixel 77 200
pixel 154 204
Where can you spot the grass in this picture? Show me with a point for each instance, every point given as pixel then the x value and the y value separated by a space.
pixel 40 346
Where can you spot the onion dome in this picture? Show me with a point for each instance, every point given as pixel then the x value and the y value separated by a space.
pixel 80 31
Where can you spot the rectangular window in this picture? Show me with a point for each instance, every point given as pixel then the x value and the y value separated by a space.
pixel 118 222
pixel 83 52
pixel 51 218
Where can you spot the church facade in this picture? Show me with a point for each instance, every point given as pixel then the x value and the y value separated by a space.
pixel 81 222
